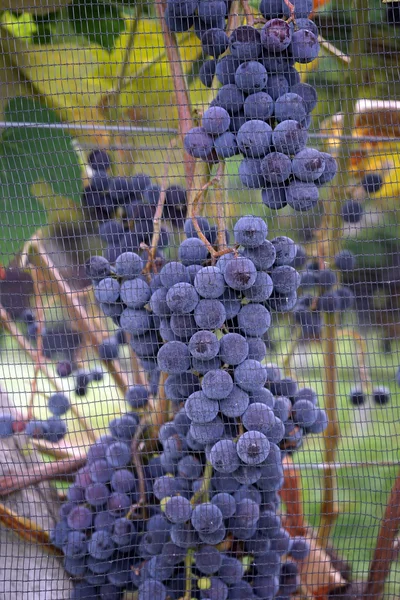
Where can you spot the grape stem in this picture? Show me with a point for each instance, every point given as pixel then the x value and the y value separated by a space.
pixel 248 13
pixel 233 19
pixel 188 574
pixel 205 485
pixel 139 376
pixel 195 209
pixel 139 469
pixel 37 259
pixel 38 473
pixel 39 344
pixel 182 101
pixel 385 549
pixel 362 352
pixel 41 366
pixel 292 10
pixel 221 200
pixel 328 248
pixel 157 218
pixel 121 77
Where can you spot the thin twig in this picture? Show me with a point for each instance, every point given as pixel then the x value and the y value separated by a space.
pixel 139 468
pixel 9 325
pixel 39 473
pixel 291 350
pixel 247 12
pixel 39 344
pixel 331 434
pixel 333 50
pixel 205 485
pixel 233 17
pixel 362 352
pixel 121 77
pixel 188 574
pixel 158 405
pixel 328 248
pixel 292 10
pixel 221 201
pixel 138 374
pixel 182 100
pixel 27 530
pixel 195 207
pixel 385 546
pixel 50 275
pixel 157 221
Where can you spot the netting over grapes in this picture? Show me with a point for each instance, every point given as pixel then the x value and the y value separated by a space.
pixel 199 300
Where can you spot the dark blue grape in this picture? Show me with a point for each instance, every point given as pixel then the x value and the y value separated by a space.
pixel 251 174
pixel 290 106
pixel 274 197
pixel 352 211
pixel 128 265
pixel 254 138
pixel 276 168
pixel 372 182
pixel 217 384
pixel 245 43
pixel 277 85
pixel 108 349
pixel 276 35
pixel 302 196
pixel 207 72
pixel 308 93
pixel 80 518
pixel 304 46
pixel 209 314
pixel 206 518
pixel 289 136
pixel 216 120
pixel 250 375
pixel 230 98
pixel 200 409
pixel 207 433
pixel 251 77
pixel 254 320
pixel 178 509
pixel 253 447
pixel 96 494
pixel 223 456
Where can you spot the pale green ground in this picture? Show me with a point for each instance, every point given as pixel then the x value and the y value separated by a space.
pixel 368 434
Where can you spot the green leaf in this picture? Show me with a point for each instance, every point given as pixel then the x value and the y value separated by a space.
pixel 29 155
pixel 101 23
pixel 21 213
pixel 49 154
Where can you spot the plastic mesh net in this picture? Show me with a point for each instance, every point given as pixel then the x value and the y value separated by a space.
pixel 199 300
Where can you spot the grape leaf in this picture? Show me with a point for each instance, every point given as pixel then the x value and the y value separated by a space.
pixel 29 155
pixel 49 154
pixel 101 23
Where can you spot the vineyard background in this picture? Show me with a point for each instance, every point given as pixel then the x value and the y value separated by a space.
pixel 97 75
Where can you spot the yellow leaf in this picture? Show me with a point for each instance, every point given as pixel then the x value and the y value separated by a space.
pixel 74 79
pixel 149 87
pixel 26 529
pixel 66 75
pixel 22 26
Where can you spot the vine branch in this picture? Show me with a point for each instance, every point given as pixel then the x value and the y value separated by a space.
pixel 327 248
pixel 185 121
pixel 385 550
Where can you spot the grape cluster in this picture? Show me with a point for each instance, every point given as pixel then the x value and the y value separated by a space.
pixel 380 396
pixel 96 537
pixel 321 293
pixel 219 467
pixel 125 206
pixel 262 111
